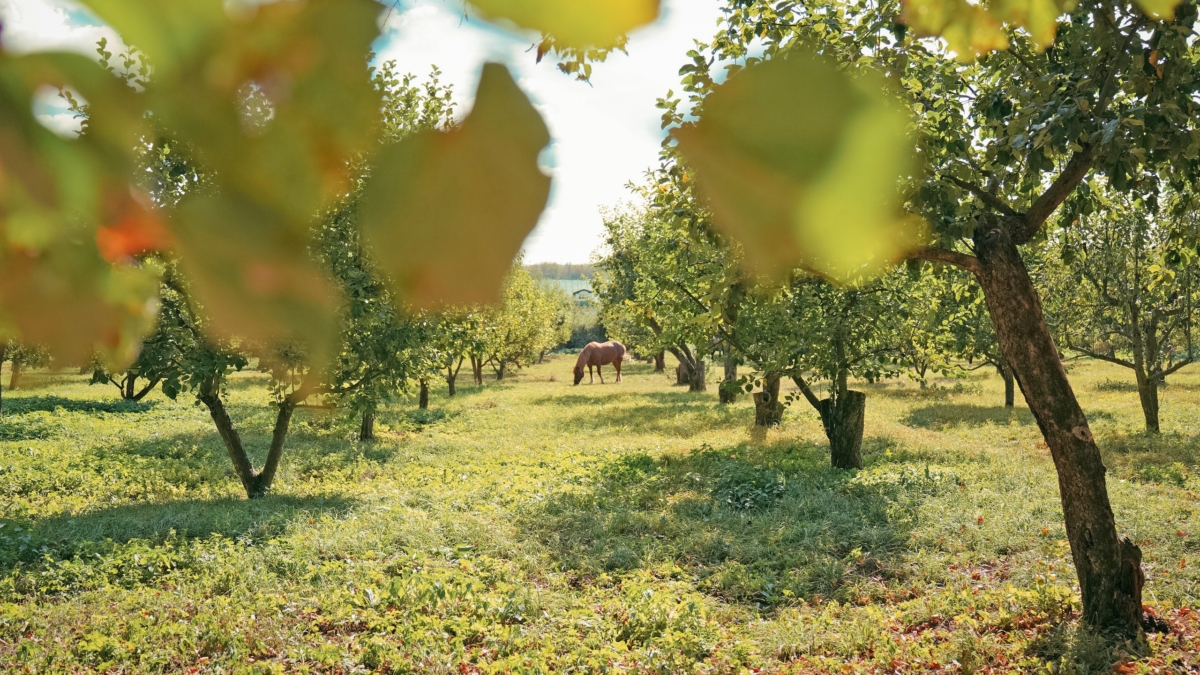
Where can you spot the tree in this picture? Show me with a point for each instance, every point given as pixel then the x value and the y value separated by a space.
pixel 670 275
pixel 523 324
pixel 1005 141
pixel 1122 290
pixel 163 352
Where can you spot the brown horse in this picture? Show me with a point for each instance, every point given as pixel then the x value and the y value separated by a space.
pixel 598 354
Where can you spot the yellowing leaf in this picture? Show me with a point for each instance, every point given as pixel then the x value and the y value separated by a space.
pixel 67 298
pixel 969 29
pixel 575 23
pixel 1159 9
pixel 254 275
pixel 1038 17
pixel 801 163
pixel 446 211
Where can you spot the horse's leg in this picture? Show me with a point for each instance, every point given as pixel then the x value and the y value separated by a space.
pixel 591 375
pixel 617 365
pixel 600 369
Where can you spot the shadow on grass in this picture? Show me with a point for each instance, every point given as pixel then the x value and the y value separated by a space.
pixel 760 524
pixel 675 414
pixel 19 405
pixel 950 415
pixel 65 536
pixel 1151 458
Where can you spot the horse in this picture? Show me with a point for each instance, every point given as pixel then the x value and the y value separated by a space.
pixel 598 354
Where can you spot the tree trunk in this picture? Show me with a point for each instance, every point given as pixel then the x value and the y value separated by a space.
pixel 660 362
pixel 683 374
pixel 728 391
pixel 696 377
pixel 423 397
pixel 1108 567
pixel 366 432
pixel 500 371
pixel 477 370
pixel 768 409
pixel 1010 394
pixel 3 357
pixel 1148 394
pixel 451 378
pixel 256 484
pixel 14 380
pixel 843 419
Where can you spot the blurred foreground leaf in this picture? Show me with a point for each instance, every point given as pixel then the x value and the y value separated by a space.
pixel 55 287
pixel 970 30
pixel 446 211
pixel 574 23
pixel 801 164
pixel 254 275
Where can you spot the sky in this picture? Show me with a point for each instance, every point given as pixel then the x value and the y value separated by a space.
pixel 604 135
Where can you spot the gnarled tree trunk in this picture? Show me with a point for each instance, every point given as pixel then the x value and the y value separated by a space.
pixel 660 362
pixel 1010 395
pixel 423 396
pixel 1108 567
pixel 477 369
pixel 366 431
pixel 728 390
pixel 843 419
pixel 768 409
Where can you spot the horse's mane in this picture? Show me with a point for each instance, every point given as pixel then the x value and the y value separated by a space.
pixel 583 354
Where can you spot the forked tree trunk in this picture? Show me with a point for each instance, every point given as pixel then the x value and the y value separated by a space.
pixel 257 484
pixel 660 362
pixel 129 390
pixel 501 370
pixel 728 390
pixel 843 419
pixel 477 369
pixel 14 380
pixel 768 409
pixel 423 396
pixel 1108 567
pixel 366 432
pixel 452 378
pixel 683 374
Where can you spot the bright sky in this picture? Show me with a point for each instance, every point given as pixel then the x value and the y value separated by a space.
pixel 605 135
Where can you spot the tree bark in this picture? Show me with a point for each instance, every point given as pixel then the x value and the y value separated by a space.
pixel 768 409
pixel 14 380
pixel 1148 395
pixel 423 396
pixel 256 484
pixel 1108 567
pixel 501 370
pixel 452 378
pixel 727 392
pixel 660 362
pixel 1010 394
pixel 477 369
pixel 682 373
pixel 843 419
pixel 366 432
pixel 696 377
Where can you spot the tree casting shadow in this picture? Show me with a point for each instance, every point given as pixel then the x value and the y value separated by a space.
pixel 754 523
pixel 66 536
pixel 19 405
pixel 950 415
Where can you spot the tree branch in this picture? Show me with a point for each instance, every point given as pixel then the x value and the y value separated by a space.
pixel 960 260
pixel 984 196
pixel 808 392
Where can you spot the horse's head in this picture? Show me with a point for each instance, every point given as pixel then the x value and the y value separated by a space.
pixel 578 374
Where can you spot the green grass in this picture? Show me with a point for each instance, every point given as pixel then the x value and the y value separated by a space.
pixel 532 526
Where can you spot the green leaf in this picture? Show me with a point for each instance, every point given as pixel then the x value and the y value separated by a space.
pixel 574 23
pixel 1163 10
pixel 800 163
pixel 445 211
pixel 969 29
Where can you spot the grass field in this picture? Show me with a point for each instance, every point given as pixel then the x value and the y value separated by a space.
pixel 532 526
